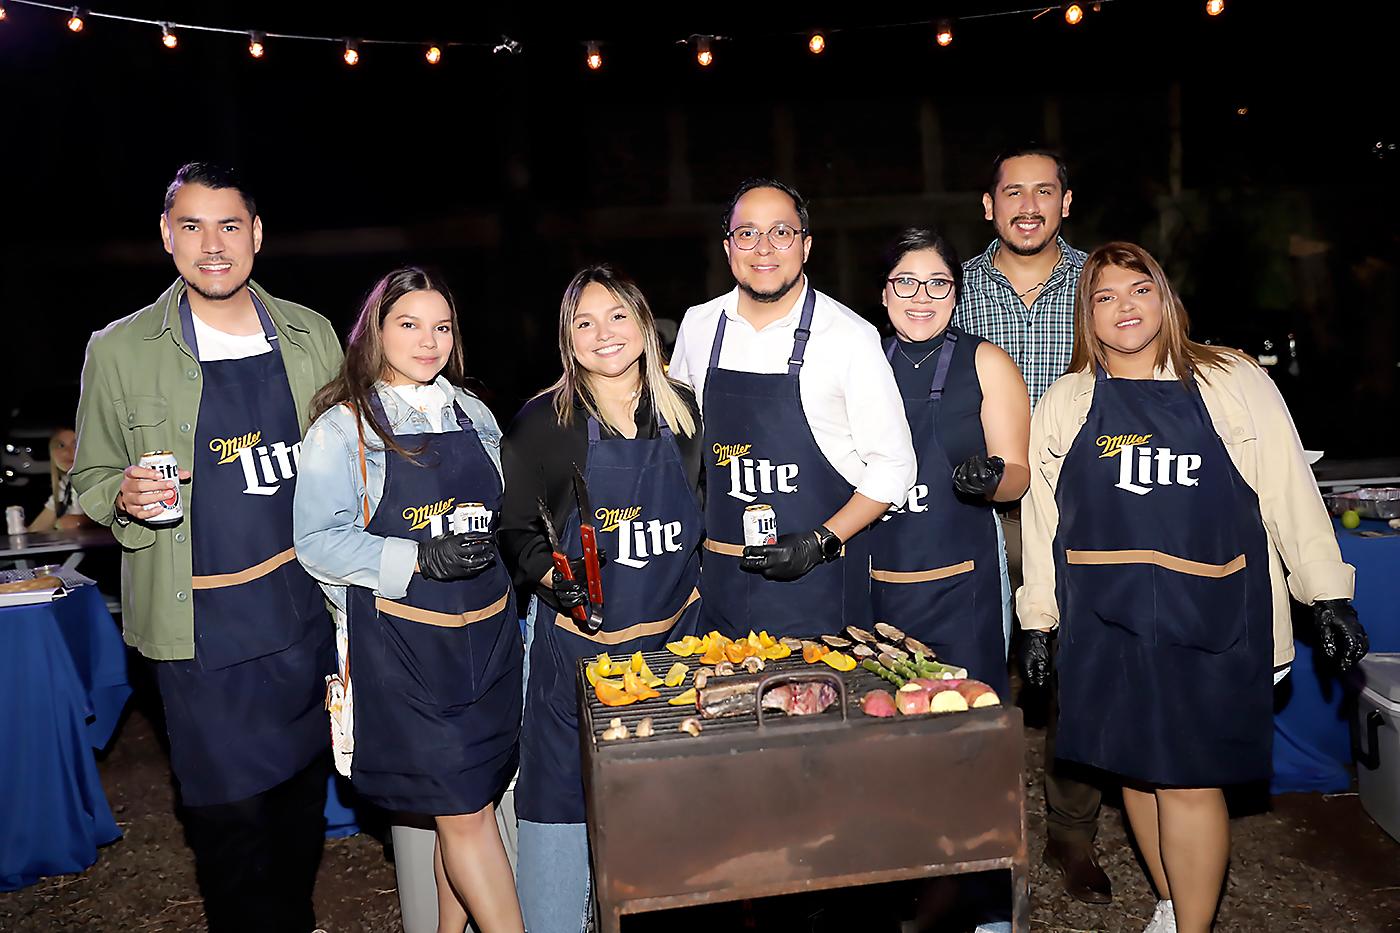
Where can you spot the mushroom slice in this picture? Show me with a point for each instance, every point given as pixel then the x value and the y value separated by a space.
pixel 690 724
pixel 645 730
pixel 615 730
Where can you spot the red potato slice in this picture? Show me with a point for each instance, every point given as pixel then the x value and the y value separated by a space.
pixel 977 694
pixel 912 699
pixel 877 703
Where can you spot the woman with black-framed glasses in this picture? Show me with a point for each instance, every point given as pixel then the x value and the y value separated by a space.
pixel 937 570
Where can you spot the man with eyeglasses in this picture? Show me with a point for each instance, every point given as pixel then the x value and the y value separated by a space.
pixel 1019 294
pixel 801 414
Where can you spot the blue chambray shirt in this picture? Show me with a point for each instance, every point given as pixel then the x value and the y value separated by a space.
pixel 1039 338
pixel 328 524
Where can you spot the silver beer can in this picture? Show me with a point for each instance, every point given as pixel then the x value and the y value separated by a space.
pixel 469 517
pixel 760 525
pixel 172 509
pixel 14 520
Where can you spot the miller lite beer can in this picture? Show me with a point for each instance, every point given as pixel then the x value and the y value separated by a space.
pixel 760 525
pixel 469 517
pixel 171 508
pixel 14 520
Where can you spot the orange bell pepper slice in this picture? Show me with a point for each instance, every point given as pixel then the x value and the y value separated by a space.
pixel 736 651
pixel 813 652
pixel 609 695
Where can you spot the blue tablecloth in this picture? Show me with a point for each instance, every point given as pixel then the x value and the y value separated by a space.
pixel 1312 739
pixel 62 688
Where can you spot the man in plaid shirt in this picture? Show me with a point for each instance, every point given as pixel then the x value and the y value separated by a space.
pixel 1019 294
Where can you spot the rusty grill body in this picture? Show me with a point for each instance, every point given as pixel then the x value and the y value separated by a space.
pixel 801 803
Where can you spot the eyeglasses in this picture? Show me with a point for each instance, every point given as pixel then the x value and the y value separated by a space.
pixel 906 286
pixel 781 236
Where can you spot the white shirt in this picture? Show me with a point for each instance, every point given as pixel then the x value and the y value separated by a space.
pixel 424 399
pixel 220 345
pixel 54 497
pixel 846 385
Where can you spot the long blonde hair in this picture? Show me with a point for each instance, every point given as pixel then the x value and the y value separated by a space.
pixel 1188 358
pixel 574 381
pixel 55 474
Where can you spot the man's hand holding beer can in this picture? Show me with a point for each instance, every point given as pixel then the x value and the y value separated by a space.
pixel 150 490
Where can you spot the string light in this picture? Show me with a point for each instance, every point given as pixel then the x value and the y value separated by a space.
pixel 352 52
pixel 703 55
pixel 433 55
pixel 1215 7
pixel 75 21
pixel 945 34
pixel 168 38
pixel 255 44
pixel 2 12
pixel 817 44
pixel 1073 14
pixel 595 57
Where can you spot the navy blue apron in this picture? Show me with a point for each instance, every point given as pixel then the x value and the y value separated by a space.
pixel 934 567
pixel 436 675
pixel 1162 578
pixel 650 525
pixel 248 712
pixel 759 450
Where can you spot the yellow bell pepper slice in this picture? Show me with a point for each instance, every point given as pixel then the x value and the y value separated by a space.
pixel 683 699
pixel 676 675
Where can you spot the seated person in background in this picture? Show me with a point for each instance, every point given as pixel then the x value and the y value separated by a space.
pixel 62 512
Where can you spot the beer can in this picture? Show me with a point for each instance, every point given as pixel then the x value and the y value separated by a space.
pixel 164 463
pixel 470 517
pixel 760 525
pixel 14 520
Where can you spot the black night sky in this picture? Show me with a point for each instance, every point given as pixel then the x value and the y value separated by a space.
pixel 1241 149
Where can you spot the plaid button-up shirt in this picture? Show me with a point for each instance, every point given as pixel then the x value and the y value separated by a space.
pixel 1038 338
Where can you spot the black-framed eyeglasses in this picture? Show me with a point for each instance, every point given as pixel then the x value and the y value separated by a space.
pixel 906 286
pixel 780 236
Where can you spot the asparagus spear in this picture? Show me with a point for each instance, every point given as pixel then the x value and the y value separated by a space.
pixel 875 668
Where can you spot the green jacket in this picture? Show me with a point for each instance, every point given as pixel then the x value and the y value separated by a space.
pixel 141 389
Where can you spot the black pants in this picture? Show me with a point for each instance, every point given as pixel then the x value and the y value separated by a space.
pixel 256 859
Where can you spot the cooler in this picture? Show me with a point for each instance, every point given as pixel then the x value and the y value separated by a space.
pixel 1376 740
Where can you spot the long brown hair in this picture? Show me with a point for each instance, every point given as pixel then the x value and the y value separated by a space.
pixel 365 364
pixel 574 381
pixel 1188 359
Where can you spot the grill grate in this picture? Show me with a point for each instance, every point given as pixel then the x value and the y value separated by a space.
pixel 666 718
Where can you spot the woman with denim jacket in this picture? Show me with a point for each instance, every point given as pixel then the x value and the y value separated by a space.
pixel 430 650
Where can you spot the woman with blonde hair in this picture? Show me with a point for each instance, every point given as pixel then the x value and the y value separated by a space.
pixel 616 418
pixel 1169 492
pixel 62 512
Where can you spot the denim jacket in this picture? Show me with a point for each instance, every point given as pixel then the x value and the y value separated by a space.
pixel 328 515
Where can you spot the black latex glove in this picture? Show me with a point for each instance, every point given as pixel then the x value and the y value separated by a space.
pixel 571 593
pixel 456 557
pixel 792 557
pixel 978 475
pixel 1035 657
pixel 1339 634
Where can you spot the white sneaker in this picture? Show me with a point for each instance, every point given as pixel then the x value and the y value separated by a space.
pixel 1163 919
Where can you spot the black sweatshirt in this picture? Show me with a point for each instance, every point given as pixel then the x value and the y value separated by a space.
pixel 538 457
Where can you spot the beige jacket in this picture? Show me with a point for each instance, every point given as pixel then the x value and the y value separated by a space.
pixel 1251 418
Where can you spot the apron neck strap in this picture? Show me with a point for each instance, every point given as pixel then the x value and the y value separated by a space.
pixel 595 430
pixel 799 337
pixel 945 359
pixel 187 322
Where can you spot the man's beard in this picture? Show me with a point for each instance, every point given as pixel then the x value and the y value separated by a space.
pixel 1020 250
pixel 211 296
pixel 777 294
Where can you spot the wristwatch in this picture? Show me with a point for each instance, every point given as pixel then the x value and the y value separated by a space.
pixel 828 543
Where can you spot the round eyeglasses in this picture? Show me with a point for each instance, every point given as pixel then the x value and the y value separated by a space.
pixel 906 286
pixel 780 236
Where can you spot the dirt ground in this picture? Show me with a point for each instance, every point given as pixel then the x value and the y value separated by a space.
pixel 1300 863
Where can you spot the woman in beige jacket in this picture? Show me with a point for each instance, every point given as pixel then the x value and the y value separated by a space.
pixel 1168 493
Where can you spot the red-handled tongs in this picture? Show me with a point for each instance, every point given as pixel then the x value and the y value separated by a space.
pixel 588 536
pixel 561 560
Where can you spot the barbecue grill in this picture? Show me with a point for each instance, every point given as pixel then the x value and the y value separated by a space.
pixel 768 804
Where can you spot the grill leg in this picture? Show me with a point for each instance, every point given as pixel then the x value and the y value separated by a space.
pixel 608 919
pixel 1020 897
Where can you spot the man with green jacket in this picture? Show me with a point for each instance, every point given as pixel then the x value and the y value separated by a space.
pixel 220 373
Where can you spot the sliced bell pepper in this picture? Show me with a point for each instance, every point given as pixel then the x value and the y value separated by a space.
pixel 676 675
pixel 813 652
pixel 609 695
pixel 604 664
pixel 842 662
pixel 683 699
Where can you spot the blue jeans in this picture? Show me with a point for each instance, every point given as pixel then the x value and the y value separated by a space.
pixel 552 877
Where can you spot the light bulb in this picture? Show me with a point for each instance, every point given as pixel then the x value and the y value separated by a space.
pixel 1073 14
pixel 433 55
pixel 255 44
pixel 1215 7
pixel 352 52
pixel 75 22
pixel 595 57
pixel 817 44
pixel 945 34
pixel 703 55
pixel 168 38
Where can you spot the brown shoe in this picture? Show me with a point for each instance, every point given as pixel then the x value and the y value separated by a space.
pixel 1084 879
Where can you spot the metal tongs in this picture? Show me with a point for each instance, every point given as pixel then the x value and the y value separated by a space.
pixel 588 538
